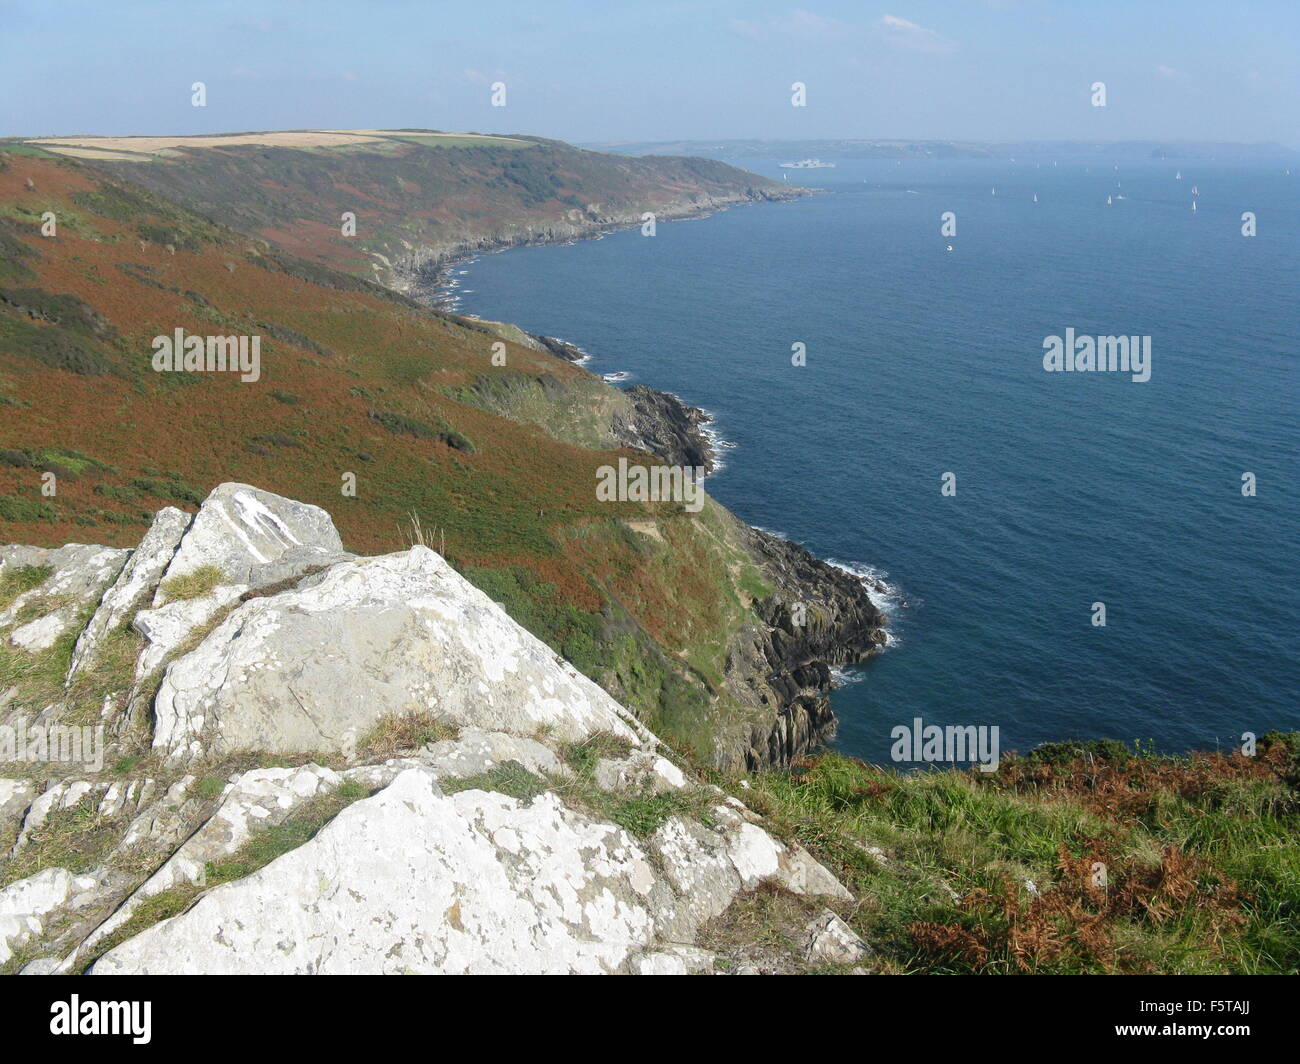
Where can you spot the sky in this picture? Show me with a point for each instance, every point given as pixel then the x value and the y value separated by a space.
pixel 636 70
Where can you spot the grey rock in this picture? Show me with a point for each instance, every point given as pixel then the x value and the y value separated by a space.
pixel 829 940
pixel 135 584
pixel 414 881
pixel 81 573
pixel 314 668
pixel 476 751
pixel 255 538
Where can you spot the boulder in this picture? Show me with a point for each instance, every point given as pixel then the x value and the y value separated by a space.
pixel 314 668
pixel 829 940
pixel 255 538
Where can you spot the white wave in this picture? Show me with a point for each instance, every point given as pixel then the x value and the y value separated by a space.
pixel 842 676
pixel 886 597
pixel 583 356
pixel 717 444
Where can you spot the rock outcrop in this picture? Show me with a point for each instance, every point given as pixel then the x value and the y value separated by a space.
pixel 660 423
pixel 819 617
pixel 314 667
pixel 515 818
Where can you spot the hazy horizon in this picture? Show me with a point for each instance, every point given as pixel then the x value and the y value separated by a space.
pixel 999 71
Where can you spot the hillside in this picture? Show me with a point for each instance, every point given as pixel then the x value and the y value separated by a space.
pixel 396 419
pixel 419 197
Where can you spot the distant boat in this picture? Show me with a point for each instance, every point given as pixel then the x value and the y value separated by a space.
pixel 995 191
pixel 1195 191
pixel 1121 196
pixel 1193 206
pixel 1109 201
pixel 1178 176
pixel 808 164
pixel 1035 197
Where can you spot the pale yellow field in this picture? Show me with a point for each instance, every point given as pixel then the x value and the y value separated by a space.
pixel 142 147
pixel 87 153
pixel 309 139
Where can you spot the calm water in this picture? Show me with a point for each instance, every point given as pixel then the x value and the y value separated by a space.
pixel 1071 488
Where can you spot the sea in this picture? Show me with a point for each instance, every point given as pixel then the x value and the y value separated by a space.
pixel 999 510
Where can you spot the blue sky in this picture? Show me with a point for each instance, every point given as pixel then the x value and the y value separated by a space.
pixel 993 70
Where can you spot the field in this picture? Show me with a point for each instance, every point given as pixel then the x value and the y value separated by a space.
pixel 144 149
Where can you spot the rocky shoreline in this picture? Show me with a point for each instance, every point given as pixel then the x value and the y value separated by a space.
pixel 423 273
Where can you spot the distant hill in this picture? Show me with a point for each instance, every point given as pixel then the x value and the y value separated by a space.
pixel 944 149
pixel 420 197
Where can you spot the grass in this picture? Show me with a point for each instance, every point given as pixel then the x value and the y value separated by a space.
pixel 19 579
pixel 194 584
pixel 37 678
pixel 396 732
pixel 1138 863
pixel 639 811
pixel 510 778
pixel 582 756
pixel 763 928
pixel 266 845
pixel 77 839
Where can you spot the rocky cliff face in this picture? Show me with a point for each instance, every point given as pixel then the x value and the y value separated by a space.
pixel 314 762
pixel 818 617
pixel 780 655
pixel 660 423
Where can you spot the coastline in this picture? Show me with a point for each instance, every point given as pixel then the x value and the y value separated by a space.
pixel 821 617
pixel 425 273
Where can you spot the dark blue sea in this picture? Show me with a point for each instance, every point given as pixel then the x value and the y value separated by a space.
pixel 1072 488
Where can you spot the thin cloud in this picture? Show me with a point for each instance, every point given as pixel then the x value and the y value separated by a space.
pixel 908 36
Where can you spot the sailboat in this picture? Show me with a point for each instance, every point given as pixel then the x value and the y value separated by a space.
pixel 1195 191
pixel 1178 176
pixel 1109 201
pixel 1193 206
pixel 1035 197
pixel 995 191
